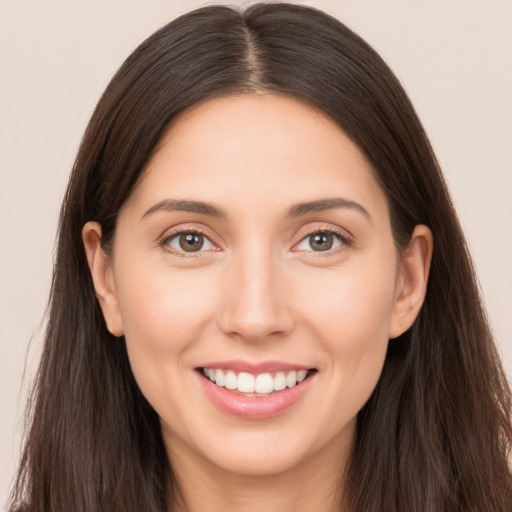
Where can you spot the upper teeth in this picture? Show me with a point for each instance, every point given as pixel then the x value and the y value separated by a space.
pixel 262 383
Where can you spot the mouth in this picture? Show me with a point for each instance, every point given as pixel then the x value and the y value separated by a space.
pixel 255 392
pixel 256 385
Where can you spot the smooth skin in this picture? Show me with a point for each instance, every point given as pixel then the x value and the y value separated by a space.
pixel 259 278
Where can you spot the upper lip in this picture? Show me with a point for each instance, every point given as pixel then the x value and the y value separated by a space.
pixel 254 368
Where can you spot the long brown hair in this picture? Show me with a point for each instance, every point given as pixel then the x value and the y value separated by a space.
pixel 434 437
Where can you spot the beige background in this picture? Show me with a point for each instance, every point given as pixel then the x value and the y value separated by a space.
pixel 454 58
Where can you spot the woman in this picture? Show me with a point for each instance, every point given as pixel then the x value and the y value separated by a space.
pixel 240 315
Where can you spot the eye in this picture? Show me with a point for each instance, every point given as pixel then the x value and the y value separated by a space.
pixel 321 241
pixel 189 242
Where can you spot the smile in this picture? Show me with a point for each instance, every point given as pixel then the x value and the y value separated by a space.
pixel 262 384
pixel 255 392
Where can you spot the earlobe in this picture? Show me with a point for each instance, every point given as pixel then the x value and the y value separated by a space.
pixel 100 266
pixel 411 286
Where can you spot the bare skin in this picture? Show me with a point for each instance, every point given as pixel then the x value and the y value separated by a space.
pixel 257 234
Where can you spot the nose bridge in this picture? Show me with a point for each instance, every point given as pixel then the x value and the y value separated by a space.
pixel 254 305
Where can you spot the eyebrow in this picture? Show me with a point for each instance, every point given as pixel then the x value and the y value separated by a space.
pixel 297 210
pixel 170 205
pixel 326 204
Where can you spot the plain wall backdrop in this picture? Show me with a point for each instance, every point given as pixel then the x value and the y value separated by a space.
pixel 453 57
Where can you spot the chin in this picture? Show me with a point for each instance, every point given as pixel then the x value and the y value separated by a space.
pixel 265 450
pixel 258 460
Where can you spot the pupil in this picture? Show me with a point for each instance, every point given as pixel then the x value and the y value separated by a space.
pixel 321 242
pixel 191 242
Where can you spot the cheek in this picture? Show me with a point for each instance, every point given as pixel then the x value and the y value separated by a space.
pixel 349 317
pixel 164 312
pixel 350 305
pixel 162 306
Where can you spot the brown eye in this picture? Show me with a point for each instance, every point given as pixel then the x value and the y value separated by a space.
pixel 320 242
pixel 189 241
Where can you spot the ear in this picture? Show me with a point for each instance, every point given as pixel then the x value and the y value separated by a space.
pixel 100 266
pixel 411 284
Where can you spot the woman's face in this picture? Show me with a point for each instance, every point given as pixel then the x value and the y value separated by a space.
pixel 255 250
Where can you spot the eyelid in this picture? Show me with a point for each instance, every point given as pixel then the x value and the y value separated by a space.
pixel 163 241
pixel 343 235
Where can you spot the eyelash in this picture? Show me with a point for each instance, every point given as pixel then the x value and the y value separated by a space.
pixel 168 237
pixel 345 241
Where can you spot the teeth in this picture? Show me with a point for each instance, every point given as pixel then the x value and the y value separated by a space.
pixel 245 383
pixel 219 377
pixel 301 375
pixel 279 381
pixel 261 384
pixel 230 381
pixel 264 383
pixel 291 379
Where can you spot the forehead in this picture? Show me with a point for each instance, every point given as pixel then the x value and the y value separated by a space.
pixel 256 149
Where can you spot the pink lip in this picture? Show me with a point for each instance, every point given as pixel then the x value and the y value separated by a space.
pixel 252 407
pixel 254 368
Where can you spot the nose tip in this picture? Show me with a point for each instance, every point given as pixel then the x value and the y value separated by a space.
pixel 255 306
pixel 253 323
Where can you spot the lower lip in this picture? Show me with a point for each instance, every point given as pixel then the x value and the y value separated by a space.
pixel 253 407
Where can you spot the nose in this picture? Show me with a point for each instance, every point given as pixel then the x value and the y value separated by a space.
pixel 254 301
